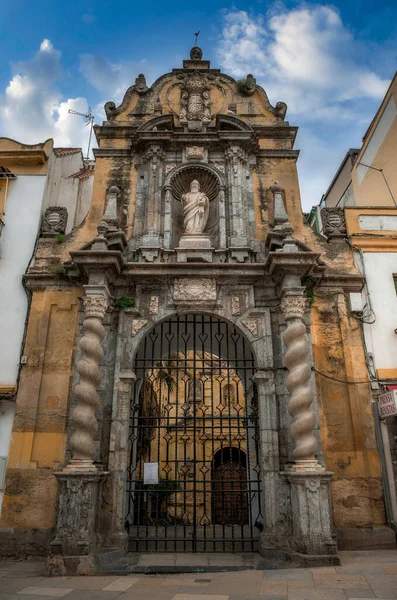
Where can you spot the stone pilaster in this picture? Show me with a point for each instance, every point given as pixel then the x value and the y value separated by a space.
pixel 296 359
pixel 79 482
pixel 83 415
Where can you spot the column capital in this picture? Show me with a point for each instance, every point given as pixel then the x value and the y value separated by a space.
pixel 95 306
pixel 294 306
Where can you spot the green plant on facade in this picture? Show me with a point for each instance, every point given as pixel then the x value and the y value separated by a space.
pixel 125 302
pixel 309 285
pixel 59 238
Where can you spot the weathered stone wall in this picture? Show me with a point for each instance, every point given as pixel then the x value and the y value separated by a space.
pixel 347 427
pixel 39 431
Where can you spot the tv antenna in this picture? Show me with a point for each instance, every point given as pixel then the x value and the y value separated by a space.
pixel 89 121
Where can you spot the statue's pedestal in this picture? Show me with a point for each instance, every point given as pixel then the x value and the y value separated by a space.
pixel 195 247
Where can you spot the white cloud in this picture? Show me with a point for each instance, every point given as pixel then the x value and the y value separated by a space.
pixel 307 58
pixel 306 52
pixel 32 109
pixel 114 79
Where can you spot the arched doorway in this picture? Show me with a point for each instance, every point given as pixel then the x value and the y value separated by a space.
pixel 193 481
pixel 229 487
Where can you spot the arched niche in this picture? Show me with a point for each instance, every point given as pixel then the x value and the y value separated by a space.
pixel 212 184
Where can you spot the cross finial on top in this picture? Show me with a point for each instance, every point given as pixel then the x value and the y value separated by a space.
pixel 196 37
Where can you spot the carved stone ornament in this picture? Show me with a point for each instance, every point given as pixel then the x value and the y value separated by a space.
pixel 235 306
pixel 169 168
pixel 154 305
pixel 188 289
pixel 334 222
pixel 219 165
pixel 249 85
pixel 251 325
pixel 294 306
pixel 54 220
pixel 137 325
pixel 140 84
pixel 195 102
pixel 95 306
pixel 195 152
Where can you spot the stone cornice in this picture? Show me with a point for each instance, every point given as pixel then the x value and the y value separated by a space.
pixel 341 281
pixel 299 263
pixel 223 272
pixel 112 152
pixel 278 153
pixel 88 261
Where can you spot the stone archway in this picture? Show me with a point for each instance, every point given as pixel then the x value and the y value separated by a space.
pixel 182 367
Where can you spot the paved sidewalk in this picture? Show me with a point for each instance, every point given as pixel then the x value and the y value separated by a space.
pixel 364 574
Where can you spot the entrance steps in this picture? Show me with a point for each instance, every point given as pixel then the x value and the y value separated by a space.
pixel 167 562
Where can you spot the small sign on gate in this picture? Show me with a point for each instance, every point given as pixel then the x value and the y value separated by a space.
pixel 151 473
pixel 388 404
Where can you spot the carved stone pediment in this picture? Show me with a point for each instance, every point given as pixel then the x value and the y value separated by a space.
pixel 194 290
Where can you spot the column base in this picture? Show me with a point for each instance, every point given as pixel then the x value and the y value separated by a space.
pixel 76 465
pixel 77 510
pixel 311 513
pixel 307 466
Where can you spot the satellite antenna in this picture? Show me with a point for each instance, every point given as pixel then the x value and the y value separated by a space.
pixel 89 121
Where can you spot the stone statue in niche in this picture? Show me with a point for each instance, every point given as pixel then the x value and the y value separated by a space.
pixel 195 210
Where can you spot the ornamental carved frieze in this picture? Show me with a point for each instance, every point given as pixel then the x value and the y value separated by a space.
pixel 137 325
pixel 54 220
pixel 154 305
pixel 95 306
pixel 294 306
pixel 195 101
pixel 196 152
pixel 251 325
pixel 194 290
pixel 334 223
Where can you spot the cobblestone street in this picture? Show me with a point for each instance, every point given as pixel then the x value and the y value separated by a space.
pixel 362 574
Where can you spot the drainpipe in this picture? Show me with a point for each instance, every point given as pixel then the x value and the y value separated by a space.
pixel 389 487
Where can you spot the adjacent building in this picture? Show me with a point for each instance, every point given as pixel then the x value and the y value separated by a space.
pixel 195 379
pixel 34 181
pixel 363 194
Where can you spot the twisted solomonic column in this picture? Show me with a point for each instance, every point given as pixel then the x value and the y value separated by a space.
pixel 83 415
pixel 296 359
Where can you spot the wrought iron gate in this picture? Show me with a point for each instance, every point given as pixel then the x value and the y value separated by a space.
pixel 193 481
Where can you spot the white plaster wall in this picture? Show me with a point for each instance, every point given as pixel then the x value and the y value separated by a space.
pixel 84 201
pixel 6 419
pixel 380 337
pixel 22 220
pixel 62 189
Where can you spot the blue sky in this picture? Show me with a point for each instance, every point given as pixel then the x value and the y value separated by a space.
pixel 331 64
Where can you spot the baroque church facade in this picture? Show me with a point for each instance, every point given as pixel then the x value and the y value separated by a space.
pixel 194 380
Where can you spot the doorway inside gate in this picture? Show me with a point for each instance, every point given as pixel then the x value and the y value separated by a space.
pixel 193 480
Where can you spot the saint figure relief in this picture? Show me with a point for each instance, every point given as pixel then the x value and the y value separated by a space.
pixel 195 209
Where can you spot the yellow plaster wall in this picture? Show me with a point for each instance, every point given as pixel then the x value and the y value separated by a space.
pixel 39 432
pixel 370 240
pixel 347 426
